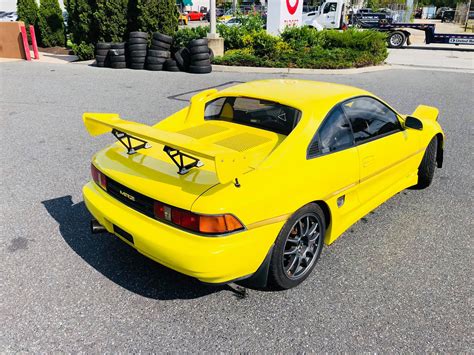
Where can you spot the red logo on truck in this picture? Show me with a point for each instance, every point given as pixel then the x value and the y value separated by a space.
pixel 292 9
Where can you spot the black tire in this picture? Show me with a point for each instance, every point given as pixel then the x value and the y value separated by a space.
pixel 173 69
pixel 100 58
pixel 163 38
pixel 154 67
pixel 199 49
pixel 198 42
pixel 137 47
pixel 116 52
pixel 137 65
pixel 100 64
pixel 137 41
pixel 159 48
pixel 137 53
pixel 182 58
pixel 102 52
pixel 282 276
pixel 211 54
pixel 427 166
pixel 117 58
pixel 137 34
pixel 201 63
pixel 119 45
pixel 396 39
pixel 155 60
pixel 200 56
pixel 103 45
pixel 200 70
pixel 118 65
pixel 160 44
pixel 160 54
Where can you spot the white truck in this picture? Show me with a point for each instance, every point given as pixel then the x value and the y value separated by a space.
pixel 331 14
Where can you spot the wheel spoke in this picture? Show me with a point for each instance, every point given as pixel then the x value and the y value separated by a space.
pixel 293 262
pixel 307 226
pixel 313 229
pixel 290 251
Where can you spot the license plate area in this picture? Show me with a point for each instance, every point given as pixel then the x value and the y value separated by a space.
pixel 121 233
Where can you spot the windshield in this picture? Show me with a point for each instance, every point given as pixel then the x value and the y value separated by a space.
pixel 263 114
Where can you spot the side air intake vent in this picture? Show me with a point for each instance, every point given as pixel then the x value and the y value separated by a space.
pixel 313 149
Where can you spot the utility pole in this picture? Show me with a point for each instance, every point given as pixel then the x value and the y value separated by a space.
pixel 216 43
pixel 213 17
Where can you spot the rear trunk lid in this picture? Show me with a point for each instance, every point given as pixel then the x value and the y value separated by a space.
pixel 151 172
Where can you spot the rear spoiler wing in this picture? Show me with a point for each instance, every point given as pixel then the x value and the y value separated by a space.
pixel 229 164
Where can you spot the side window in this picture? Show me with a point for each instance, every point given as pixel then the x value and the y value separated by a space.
pixel 370 118
pixel 330 7
pixel 334 134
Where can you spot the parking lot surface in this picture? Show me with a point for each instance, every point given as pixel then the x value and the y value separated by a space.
pixel 399 280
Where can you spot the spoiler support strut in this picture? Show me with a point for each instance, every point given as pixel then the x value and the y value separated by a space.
pixel 182 168
pixel 125 139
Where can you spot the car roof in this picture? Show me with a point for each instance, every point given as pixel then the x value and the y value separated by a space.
pixel 295 93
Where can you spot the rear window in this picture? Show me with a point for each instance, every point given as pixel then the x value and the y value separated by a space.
pixel 263 114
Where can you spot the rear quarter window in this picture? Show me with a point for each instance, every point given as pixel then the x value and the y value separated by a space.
pixel 263 114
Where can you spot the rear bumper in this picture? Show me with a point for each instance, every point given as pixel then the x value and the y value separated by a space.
pixel 209 259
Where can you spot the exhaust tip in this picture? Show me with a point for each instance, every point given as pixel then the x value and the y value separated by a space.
pixel 96 227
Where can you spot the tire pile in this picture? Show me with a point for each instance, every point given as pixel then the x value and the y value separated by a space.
pixel 159 51
pixel 101 54
pixel 137 45
pixel 135 54
pixel 196 57
pixel 117 56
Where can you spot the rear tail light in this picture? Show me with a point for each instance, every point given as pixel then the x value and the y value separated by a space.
pixel 99 178
pixel 206 224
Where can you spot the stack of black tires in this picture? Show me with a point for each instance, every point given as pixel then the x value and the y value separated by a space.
pixel 102 54
pixel 196 57
pixel 200 61
pixel 137 45
pixel 135 54
pixel 117 56
pixel 159 51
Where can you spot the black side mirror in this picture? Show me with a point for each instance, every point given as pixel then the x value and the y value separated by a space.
pixel 413 122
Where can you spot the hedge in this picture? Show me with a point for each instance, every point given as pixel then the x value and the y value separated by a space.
pixel 297 47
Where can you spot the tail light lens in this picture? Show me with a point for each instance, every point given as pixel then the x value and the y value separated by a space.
pixel 99 178
pixel 206 224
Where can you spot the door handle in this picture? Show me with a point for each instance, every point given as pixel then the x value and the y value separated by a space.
pixel 367 161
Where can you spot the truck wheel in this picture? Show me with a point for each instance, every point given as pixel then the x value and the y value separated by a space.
pixel 396 39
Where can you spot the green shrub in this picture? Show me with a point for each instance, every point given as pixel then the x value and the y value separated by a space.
pixel 110 17
pixel 51 23
pixel 185 35
pixel 81 24
pixel 83 50
pixel 153 15
pixel 27 11
pixel 306 48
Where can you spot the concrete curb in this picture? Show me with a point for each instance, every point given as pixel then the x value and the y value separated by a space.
pixel 266 70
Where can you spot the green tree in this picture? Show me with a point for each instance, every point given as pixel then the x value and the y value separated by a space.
pixel 82 27
pixel 27 11
pixel 51 23
pixel 111 20
pixel 154 15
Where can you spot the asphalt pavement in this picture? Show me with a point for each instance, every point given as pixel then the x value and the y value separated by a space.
pixel 399 280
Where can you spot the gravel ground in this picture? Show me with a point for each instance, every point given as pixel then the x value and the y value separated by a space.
pixel 399 280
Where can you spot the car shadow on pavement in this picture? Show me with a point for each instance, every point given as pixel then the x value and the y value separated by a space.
pixel 119 262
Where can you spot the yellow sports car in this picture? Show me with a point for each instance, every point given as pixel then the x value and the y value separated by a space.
pixel 247 183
